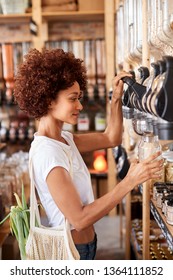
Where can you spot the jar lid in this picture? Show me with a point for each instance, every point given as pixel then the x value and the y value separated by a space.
pixel 160 190
pixel 169 159
pixel 161 184
pixel 166 154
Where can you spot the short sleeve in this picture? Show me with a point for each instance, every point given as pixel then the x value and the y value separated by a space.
pixel 46 159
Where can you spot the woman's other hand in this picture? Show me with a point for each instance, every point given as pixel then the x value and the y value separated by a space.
pixel 150 168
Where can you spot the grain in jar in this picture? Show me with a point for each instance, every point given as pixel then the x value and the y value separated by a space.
pixel 169 170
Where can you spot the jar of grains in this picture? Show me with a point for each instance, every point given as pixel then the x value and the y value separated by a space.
pixel 169 170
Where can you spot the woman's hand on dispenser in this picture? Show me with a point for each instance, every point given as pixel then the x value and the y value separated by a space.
pixel 117 84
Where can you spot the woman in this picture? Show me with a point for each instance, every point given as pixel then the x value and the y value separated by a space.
pixel 49 86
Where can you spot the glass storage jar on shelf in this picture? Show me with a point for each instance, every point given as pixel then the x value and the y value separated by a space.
pixel 169 212
pixel 168 17
pixel 126 29
pixel 169 170
pixel 137 22
pixel 156 46
pixel 165 18
pixel 120 33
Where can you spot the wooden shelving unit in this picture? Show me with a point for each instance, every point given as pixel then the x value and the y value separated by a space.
pixel 75 16
pixel 15 18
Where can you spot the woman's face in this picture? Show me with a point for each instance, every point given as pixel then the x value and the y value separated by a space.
pixel 67 106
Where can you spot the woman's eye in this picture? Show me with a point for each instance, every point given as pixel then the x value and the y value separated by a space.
pixel 76 98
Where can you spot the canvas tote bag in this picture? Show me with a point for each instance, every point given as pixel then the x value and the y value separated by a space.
pixel 47 243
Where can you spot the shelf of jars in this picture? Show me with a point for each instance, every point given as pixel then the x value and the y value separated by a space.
pixel 162 195
pixel 160 235
pixel 159 249
pixel 13 174
pixel 167 228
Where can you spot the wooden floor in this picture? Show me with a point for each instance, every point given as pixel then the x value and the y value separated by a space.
pixel 110 246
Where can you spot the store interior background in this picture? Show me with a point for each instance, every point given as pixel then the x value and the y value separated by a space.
pixel 109 35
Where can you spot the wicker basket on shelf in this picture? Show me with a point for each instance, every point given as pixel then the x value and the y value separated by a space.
pixel 13 6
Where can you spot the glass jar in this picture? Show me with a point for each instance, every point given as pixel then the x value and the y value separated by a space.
pixel 169 212
pixel 148 145
pixel 165 203
pixel 157 186
pixel 159 198
pixel 169 170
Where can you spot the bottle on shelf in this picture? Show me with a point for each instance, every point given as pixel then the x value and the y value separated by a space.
pixel 95 107
pixel 22 133
pixel 83 122
pixel 13 133
pixel 31 130
pixel 4 125
pixel 8 72
pixel 101 88
pixel 100 121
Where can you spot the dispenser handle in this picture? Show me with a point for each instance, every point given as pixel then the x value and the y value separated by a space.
pixel 129 81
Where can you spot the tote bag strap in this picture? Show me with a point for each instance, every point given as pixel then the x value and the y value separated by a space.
pixel 34 211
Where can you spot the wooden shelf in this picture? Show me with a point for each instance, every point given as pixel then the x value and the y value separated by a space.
pixel 15 18
pixel 2 145
pixel 4 232
pixel 74 16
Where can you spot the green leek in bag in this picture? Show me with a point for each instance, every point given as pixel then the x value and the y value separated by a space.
pixel 19 216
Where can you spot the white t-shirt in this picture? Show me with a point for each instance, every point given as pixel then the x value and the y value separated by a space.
pixel 47 153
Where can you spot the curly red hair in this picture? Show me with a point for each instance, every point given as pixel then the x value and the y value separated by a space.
pixel 42 75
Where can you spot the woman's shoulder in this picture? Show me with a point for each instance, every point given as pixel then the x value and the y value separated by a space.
pixel 46 154
pixel 45 147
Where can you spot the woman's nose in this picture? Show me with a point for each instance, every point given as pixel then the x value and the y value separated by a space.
pixel 79 105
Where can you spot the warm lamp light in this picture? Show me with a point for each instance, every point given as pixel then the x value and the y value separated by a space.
pixel 100 163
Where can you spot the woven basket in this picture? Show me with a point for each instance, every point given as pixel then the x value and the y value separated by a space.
pixel 14 6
